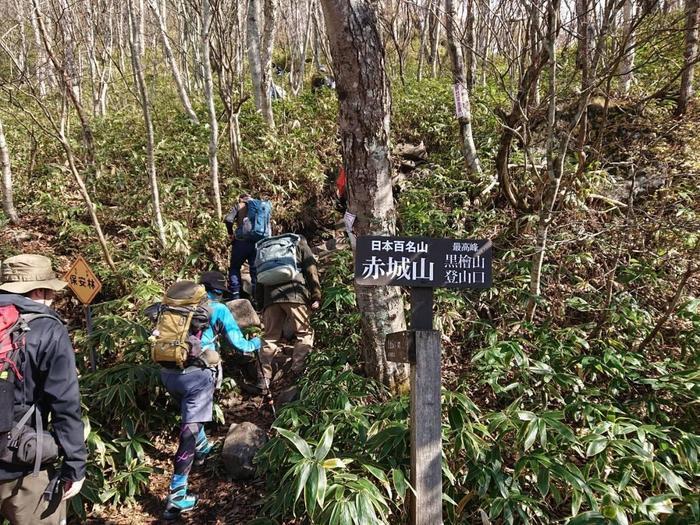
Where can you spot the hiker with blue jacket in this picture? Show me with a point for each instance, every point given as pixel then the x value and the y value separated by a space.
pixel 38 386
pixel 193 382
pixel 288 290
pixel 251 218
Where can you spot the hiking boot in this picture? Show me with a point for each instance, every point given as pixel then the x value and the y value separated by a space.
pixel 179 502
pixel 202 451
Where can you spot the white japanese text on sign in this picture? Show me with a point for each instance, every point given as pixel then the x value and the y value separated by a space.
pixel 423 262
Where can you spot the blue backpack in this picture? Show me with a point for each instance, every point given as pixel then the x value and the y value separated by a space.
pixel 256 225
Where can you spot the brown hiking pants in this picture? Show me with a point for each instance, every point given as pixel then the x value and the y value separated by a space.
pixel 275 317
pixel 22 503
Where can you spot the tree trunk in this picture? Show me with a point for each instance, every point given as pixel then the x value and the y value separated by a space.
pixel 182 92
pixel 253 37
pixel 145 106
pixel 303 26
pixel 211 109
pixel 183 25
pixel 535 45
pixel 464 114
pixel 470 45
pixel 554 167
pixel 626 70
pixel 317 42
pixel 583 61
pixel 66 78
pixel 42 66
pixel 692 14
pixel 8 205
pixel 364 115
pixel 234 139
pixel 268 41
pixel 435 28
pixel 23 54
pixel 260 55
pixel 422 47
pixel 71 71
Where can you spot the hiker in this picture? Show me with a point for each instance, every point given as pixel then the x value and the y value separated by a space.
pixel 251 218
pixel 341 188
pixel 341 193
pixel 38 378
pixel 288 288
pixel 191 370
pixel 224 324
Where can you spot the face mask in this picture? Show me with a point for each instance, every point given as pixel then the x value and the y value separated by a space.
pixel 215 295
pixel 42 297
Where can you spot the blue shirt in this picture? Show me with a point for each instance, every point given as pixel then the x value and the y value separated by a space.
pixel 222 324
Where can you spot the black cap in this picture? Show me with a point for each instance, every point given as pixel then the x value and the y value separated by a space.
pixel 213 281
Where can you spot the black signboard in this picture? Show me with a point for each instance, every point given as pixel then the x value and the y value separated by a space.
pixel 422 261
pixel 401 347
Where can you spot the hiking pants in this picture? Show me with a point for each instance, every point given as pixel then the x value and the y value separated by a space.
pixel 275 317
pixel 21 501
pixel 241 251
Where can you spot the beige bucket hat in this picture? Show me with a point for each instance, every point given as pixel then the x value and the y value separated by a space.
pixel 23 273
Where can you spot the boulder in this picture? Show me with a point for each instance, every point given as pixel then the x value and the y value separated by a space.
pixel 246 283
pixel 286 396
pixel 244 313
pixel 411 152
pixel 242 443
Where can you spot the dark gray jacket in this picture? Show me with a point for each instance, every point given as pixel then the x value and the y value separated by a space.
pixel 50 381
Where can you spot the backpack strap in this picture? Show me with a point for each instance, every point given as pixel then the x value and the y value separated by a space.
pixel 16 333
pixel 39 427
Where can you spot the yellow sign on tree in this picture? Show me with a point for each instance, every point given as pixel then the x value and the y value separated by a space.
pixel 82 281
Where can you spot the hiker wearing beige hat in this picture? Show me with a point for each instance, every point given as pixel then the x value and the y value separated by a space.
pixel 38 378
pixel 30 275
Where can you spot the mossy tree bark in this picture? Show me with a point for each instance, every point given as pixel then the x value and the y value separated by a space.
pixel 365 100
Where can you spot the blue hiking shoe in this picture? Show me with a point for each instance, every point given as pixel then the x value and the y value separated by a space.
pixel 179 502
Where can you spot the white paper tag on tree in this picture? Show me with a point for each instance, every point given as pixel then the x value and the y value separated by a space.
pixel 349 220
pixel 460 95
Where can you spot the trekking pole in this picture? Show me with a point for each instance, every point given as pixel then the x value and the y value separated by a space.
pixel 271 399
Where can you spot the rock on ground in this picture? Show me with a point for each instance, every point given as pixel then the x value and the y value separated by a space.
pixel 242 443
pixel 243 313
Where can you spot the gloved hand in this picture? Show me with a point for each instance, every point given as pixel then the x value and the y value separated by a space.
pixel 72 488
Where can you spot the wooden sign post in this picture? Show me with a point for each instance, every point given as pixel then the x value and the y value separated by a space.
pixel 85 285
pixel 423 264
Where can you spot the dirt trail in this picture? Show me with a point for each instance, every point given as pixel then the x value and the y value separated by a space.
pixel 221 501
